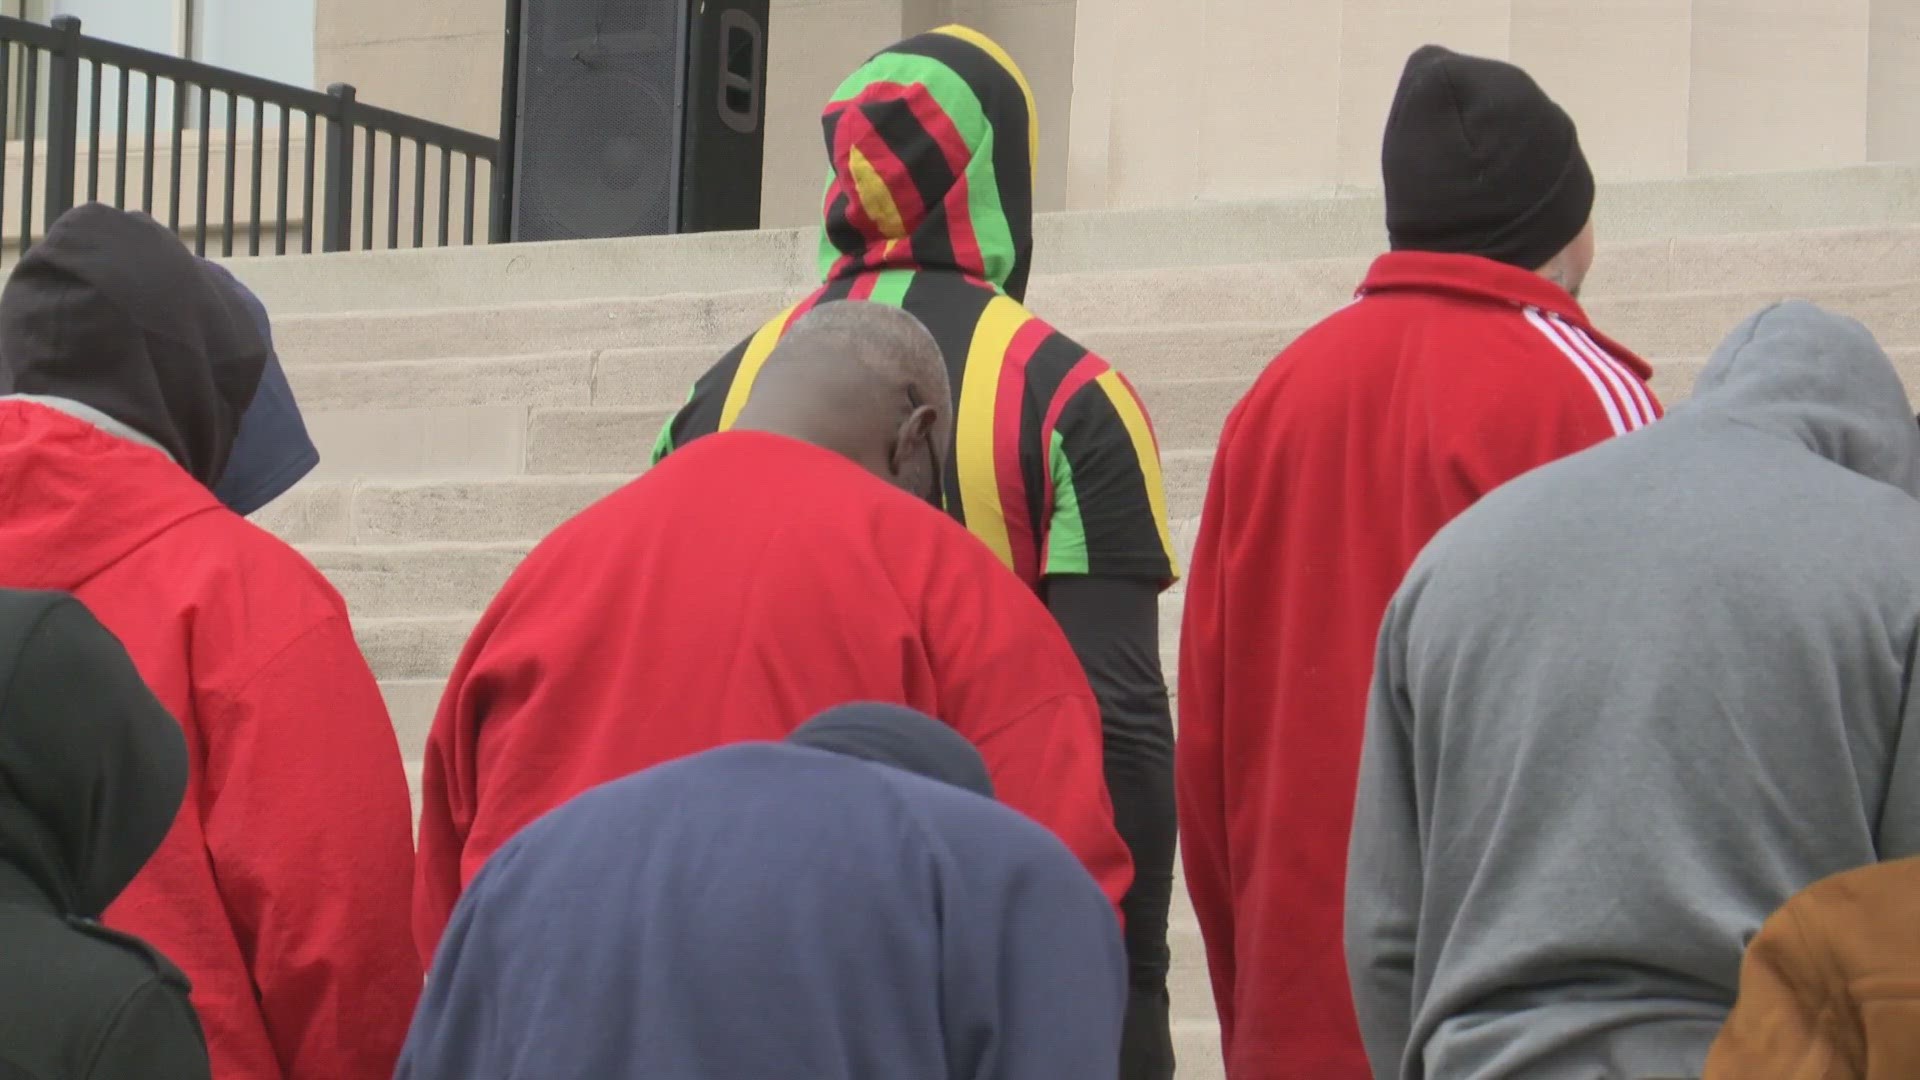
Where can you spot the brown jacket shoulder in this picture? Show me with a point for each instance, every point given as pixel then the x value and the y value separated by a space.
pixel 1830 989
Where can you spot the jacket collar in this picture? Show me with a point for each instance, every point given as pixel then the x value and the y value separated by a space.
pixel 1470 277
pixel 80 410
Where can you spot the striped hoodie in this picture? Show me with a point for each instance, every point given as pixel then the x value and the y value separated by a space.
pixel 929 207
pixel 1451 375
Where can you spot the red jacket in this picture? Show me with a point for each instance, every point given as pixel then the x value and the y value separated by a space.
pixel 282 890
pixel 1448 376
pixel 738 588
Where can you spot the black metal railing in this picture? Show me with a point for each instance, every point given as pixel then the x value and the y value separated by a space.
pixel 78 107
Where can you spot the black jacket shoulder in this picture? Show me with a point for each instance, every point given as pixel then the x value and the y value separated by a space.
pixel 162 969
pixel 88 1003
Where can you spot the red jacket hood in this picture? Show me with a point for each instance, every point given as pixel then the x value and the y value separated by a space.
pixel 74 499
pixel 1470 277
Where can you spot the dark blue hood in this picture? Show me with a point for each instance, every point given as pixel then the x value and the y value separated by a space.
pixel 272 451
pixel 900 737
pixel 769 911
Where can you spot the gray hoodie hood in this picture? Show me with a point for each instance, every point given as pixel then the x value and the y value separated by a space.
pixel 1822 380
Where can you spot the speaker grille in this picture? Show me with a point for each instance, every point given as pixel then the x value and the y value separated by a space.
pixel 598 132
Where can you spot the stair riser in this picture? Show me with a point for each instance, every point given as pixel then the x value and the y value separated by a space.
pixel 476 441
pixel 1195 234
pixel 537 413
pixel 521 509
pixel 479 441
pixel 461 580
pixel 1201 233
pixel 1662 325
pixel 661 378
pixel 382 583
pixel 492 441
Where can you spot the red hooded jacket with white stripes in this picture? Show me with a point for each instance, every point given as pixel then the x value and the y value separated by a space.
pixel 1449 376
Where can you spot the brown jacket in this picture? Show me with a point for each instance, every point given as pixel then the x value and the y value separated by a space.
pixel 1831 987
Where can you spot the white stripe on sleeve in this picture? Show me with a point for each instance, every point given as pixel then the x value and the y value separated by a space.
pixel 1635 385
pixel 1629 405
pixel 1585 367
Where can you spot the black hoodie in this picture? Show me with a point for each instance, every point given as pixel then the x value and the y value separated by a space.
pixel 111 310
pixel 92 771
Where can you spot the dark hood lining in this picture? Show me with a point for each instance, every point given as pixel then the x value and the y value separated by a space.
pixel 110 309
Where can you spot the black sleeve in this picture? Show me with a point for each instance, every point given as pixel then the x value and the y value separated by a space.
pixel 705 406
pixel 1114 626
pixel 155 1037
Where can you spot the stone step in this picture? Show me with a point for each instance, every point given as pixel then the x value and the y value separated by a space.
pixel 411 704
pixel 450 578
pixel 414 607
pixel 524 508
pixel 459 578
pixel 500 441
pixel 1196 1048
pixel 573 413
pixel 1697 211
pixel 659 379
pixel 1666 324
pixel 413 647
pixel 477 441
pixel 491 510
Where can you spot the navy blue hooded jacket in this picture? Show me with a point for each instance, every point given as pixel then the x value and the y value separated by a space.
pixel 769 911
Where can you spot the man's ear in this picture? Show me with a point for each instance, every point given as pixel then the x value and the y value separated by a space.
pixel 921 421
pixel 911 438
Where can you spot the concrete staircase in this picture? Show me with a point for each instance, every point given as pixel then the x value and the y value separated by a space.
pixel 467 402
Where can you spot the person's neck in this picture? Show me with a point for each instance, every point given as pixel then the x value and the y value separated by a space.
pixel 1560 276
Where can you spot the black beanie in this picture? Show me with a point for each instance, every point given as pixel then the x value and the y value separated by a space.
pixel 1478 160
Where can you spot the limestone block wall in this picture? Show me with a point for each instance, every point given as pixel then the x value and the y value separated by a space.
pixel 1284 96
pixel 1159 102
pixel 439 59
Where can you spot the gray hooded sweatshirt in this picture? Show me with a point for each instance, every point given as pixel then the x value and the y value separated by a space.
pixel 1629 704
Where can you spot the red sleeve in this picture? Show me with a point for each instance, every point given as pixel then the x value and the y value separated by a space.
pixel 307 824
pixel 1198 756
pixel 1007 680
pixel 436 871
pixel 1045 762
pixel 448 797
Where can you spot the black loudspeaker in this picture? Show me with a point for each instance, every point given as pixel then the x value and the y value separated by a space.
pixel 632 117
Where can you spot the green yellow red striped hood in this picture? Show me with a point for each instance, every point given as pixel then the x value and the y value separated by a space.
pixel 1053 464
pixel 932 144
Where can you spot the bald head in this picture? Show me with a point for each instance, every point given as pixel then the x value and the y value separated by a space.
pixel 866 381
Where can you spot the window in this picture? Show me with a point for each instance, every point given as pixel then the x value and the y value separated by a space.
pixel 272 39
pixel 269 38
